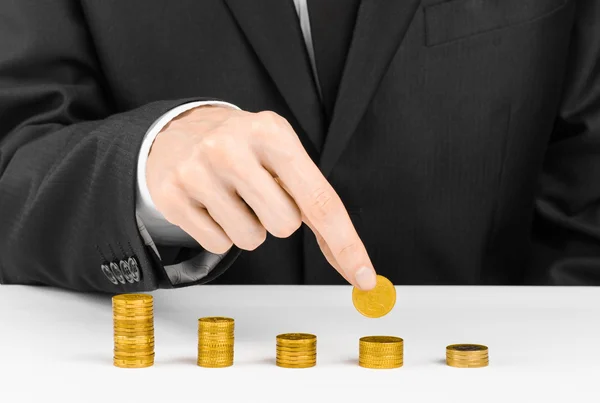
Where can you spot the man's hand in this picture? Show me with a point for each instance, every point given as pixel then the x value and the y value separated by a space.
pixel 227 177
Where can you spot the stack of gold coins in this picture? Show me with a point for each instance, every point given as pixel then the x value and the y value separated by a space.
pixel 215 342
pixel 380 352
pixel 467 356
pixel 296 350
pixel 133 316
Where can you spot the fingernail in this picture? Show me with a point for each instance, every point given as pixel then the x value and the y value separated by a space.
pixel 365 278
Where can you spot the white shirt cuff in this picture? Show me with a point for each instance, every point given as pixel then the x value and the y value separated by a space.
pixel 160 230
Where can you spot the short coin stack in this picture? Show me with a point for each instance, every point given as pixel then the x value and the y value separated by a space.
pixel 380 352
pixel 215 342
pixel 296 350
pixel 467 356
pixel 133 316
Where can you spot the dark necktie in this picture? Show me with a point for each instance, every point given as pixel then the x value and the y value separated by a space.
pixel 332 24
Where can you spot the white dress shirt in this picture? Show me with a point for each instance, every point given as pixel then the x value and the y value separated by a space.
pixel 151 223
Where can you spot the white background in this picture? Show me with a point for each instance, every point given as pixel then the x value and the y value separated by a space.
pixel 544 346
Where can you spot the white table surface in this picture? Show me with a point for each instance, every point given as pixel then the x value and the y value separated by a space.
pixel 544 346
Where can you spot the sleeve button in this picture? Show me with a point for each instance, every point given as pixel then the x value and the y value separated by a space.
pixel 126 271
pixel 135 269
pixel 109 274
pixel 117 272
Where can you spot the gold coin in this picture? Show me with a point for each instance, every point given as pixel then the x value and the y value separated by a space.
pixel 466 362
pixel 134 348
pixel 216 321
pixel 133 317
pixel 215 341
pixel 220 359
pixel 217 334
pixel 286 365
pixel 133 309
pixel 381 359
pixel 295 353
pixel 133 338
pixel 133 333
pixel 296 361
pixel 296 338
pixel 136 322
pixel 381 340
pixel 134 365
pixel 298 354
pixel 128 315
pixel 215 357
pixel 381 366
pixel 148 334
pixel 477 354
pixel 216 344
pixel 215 353
pixel 295 349
pixel 215 365
pixel 467 365
pixel 459 358
pixel 303 365
pixel 132 299
pixel 466 348
pixel 377 302
pixel 133 330
pixel 133 344
pixel 383 350
pixel 133 324
pixel 134 353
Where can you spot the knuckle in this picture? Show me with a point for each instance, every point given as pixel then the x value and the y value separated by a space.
pixel 349 251
pixel 267 122
pixel 220 151
pixel 218 247
pixel 185 173
pixel 166 200
pixel 287 228
pixel 322 203
pixel 252 240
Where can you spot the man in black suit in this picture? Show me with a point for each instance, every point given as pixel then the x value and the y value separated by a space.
pixel 145 144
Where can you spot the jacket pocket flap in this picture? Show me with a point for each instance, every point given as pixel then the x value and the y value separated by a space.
pixel 457 19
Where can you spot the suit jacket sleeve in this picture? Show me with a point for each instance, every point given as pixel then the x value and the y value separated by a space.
pixel 68 159
pixel 566 237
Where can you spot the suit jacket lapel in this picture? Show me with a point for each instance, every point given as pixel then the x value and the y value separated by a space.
pixel 272 28
pixel 380 27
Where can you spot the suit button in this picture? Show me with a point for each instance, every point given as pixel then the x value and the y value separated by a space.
pixel 126 271
pixel 109 274
pixel 135 270
pixel 117 272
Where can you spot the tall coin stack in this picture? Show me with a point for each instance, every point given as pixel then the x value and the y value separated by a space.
pixel 380 352
pixel 467 356
pixel 215 342
pixel 296 350
pixel 133 316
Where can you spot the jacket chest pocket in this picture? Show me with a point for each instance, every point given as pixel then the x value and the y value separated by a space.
pixel 458 19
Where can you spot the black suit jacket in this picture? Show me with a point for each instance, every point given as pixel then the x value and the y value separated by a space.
pixel 465 141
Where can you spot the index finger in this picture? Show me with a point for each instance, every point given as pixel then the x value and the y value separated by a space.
pixel 317 199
